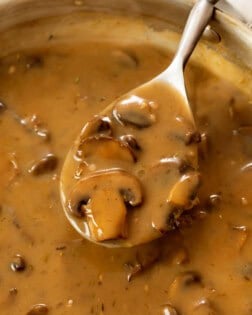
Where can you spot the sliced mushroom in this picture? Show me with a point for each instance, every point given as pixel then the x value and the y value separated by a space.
pixel 33 124
pixel 181 197
pixel 185 131
pixel 180 219
pixel 166 173
pixel 97 126
pixel 187 285
pixel 136 111
pixel 13 291
pixel 9 169
pixel 106 215
pixel 183 281
pixel 190 286
pixel 134 270
pixel 18 264
pixel 105 148
pixel 15 166
pixel 204 146
pixel 101 198
pixel 131 141
pixel 192 136
pixel 165 165
pixel 45 165
pixel 213 201
pixel 184 192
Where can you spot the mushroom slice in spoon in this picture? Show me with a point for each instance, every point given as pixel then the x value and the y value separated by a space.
pixel 182 197
pixel 105 148
pixel 184 191
pixel 99 125
pixel 168 164
pixel 101 199
pixel 136 111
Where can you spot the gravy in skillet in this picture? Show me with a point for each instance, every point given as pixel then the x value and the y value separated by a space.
pixel 202 267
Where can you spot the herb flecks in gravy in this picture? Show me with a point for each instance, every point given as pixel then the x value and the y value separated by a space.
pixel 203 268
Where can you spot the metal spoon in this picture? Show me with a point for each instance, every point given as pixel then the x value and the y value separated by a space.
pixel 146 224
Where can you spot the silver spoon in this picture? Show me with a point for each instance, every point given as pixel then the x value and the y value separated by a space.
pixel 167 85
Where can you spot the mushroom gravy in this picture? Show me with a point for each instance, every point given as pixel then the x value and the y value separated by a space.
pixel 120 191
pixel 204 267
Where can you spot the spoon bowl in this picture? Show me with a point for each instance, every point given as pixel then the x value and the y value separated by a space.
pixel 133 170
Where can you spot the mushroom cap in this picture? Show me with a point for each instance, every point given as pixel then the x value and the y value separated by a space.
pixel 99 125
pixel 125 183
pixel 171 163
pixel 184 191
pixel 104 147
pixel 102 198
pixel 135 110
pixel 105 214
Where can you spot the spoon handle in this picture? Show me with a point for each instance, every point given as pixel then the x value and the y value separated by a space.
pixel 198 19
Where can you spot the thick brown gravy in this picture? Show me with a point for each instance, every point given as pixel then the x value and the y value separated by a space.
pixel 203 268
pixel 133 169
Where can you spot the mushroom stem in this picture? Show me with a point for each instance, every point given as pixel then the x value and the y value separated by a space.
pixel 101 200
pixel 106 215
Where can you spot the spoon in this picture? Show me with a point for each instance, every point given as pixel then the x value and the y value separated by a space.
pixel 132 171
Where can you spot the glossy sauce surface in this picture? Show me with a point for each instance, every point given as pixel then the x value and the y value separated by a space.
pixel 203 268
pixel 133 170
